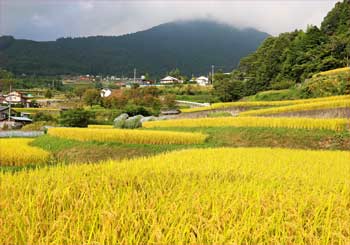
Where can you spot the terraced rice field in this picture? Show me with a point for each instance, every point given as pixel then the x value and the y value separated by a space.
pixel 128 136
pixel 18 152
pixel 302 123
pixel 331 104
pixel 265 103
pixel 198 196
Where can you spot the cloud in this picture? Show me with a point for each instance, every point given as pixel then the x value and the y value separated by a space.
pixel 86 6
pixel 41 21
pixel 48 20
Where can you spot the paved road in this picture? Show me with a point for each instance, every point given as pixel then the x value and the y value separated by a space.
pixel 18 133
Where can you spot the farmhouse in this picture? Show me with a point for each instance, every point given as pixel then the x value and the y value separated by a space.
pixel 202 81
pixel 14 122
pixel 4 111
pixel 16 98
pixel 2 99
pixel 170 80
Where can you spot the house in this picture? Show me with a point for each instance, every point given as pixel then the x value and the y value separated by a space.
pixel 16 98
pixel 14 122
pixel 2 99
pixel 3 112
pixel 170 80
pixel 202 81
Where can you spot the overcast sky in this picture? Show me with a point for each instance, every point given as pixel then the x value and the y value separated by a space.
pixel 51 19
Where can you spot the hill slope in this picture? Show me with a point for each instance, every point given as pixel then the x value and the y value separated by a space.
pixel 296 56
pixel 191 46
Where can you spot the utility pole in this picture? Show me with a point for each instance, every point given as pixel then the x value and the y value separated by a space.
pixel 212 74
pixel 9 117
pixel 134 75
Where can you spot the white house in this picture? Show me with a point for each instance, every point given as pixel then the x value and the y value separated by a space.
pixel 202 81
pixel 170 80
pixel 16 98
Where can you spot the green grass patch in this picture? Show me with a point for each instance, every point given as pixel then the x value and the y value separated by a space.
pixel 65 151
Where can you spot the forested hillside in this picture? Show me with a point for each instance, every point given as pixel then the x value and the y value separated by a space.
pixel 295 56
pixel 191 46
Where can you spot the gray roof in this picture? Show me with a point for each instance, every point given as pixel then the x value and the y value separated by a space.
pixel 24 119
pixel 2 108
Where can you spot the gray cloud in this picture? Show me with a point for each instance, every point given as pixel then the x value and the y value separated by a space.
pixel 50 19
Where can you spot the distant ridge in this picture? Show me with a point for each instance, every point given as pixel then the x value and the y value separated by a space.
pixel 192 46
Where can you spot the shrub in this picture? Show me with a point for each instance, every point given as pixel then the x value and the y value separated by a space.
pixel 75 118
pixel 133 110
pixel 38 125
pixel 42 116
pixel 284 84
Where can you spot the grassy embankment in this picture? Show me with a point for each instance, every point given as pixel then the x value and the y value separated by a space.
pixel 70 151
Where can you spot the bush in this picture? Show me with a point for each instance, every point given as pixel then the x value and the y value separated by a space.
pixel 41 116
pixel 36 126
pixel 133 110
pixel 229 90
pixel 76 118
pixel 285 84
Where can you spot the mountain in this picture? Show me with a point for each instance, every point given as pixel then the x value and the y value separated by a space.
pixel 192 46
pixel 295 56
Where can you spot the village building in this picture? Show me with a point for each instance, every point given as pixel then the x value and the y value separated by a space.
pixel 2 100
pixel 202 81
pixel 4 111
pixel 170 80
pixel 16 98
pixel 14 121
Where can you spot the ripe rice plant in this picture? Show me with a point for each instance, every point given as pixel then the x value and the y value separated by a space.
pixel 331 104
pixel 304 123
pixel 17 152
pixel 99 126
pixel 334 71
pixel 128 136
pixel 264 103
pixel 37 109
pixel 198 196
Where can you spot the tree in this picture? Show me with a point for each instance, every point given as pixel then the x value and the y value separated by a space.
pixel 92 97
pixel 48 94
pixel 69 95
pixel 41 116
pixel 79 91
pixel 347 52
pixel 175 73
pixel 229 90
pixel 169 101
pixel 76 118
pixel 6 78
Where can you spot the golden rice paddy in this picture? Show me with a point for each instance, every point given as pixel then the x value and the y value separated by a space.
pixel 265 103
pixel 131 136
pixel 18 152
pixel 202 196
pixel 331 104
pixel 301 123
